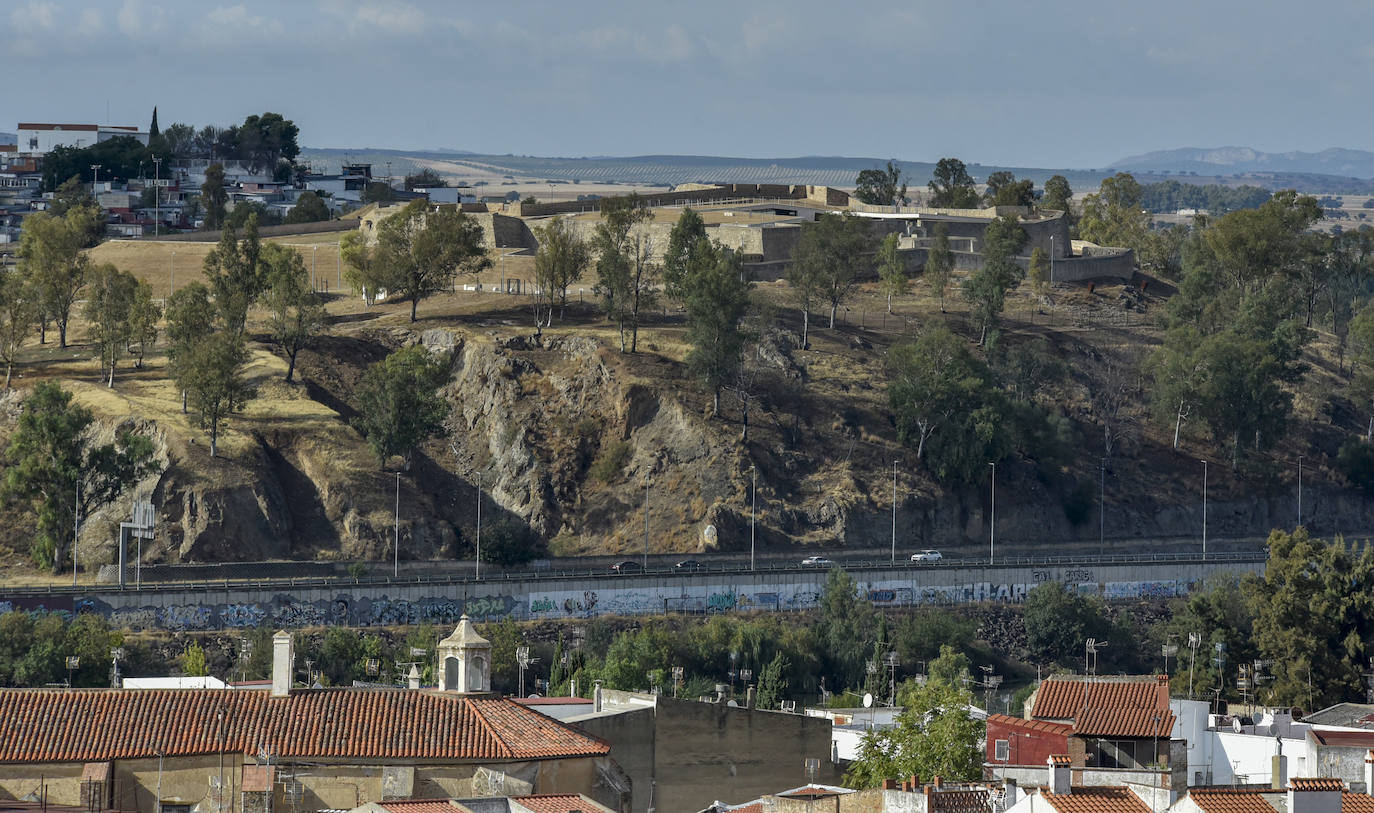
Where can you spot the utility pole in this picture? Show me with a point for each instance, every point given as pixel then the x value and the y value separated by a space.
pixel 157 195
pixel 477 559
pixel 894 513
pixel 1204 509
pixel 753 512
pixel 95 183
pixel 172 277
pixel 76 533
pixel 1300 457
pixel 646 522
pixel 396 548
pixel 1102 512
pixel 992 524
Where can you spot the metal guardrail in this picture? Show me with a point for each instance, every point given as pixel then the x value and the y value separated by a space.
pixel 241 585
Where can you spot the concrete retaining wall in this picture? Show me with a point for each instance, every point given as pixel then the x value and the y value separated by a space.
pixel 247 604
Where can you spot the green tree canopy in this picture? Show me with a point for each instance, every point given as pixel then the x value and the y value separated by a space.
pixel 832 254
pixel 236 274
pixel 422 248
pixel 52 260
pixel 881 187
pixel 561 259
pixel 688 231
pixel 952 186
pixel 110 298
pixel 1004 190
pixel 986 288
pixel 717 298
pixel 1059 621
pixel 309 208
pixel 213 196
pixel 399 404
pixel 19 308
pixel 51 464
pixel 892 269
pixel 625 276
pixel 298 315
pixel 1114 216
pixel 939 263
pixel 1057 195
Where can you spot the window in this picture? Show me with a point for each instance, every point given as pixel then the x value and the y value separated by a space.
pixel 1001 750
pixel 173 807
pixel 1122 753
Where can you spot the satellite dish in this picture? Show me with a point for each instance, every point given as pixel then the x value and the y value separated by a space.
pixel 868 700
pixel 732 704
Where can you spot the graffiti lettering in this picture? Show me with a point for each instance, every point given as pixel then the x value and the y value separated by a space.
pixel 1040 575
pixel 542 604
pixel 720 602
pixel 1079 575
pixel 241 615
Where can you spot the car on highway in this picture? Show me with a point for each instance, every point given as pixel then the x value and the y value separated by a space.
pixel 627 566
pixel 688 564
pixel 816 561
pixel 926 556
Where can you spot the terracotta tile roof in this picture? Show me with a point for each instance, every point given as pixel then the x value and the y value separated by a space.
pixel 558 803
pixel 1343 739
pixel 1022 724
pixel 88 725
pixel 1063 699
pixel 1227 800
pixel 419 806
pixel 1098 800
pixel 1316 783
pixel 1060 759
pixel 1122 721
pixel 1357 803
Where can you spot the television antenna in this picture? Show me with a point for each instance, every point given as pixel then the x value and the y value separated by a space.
pixel 522 657
pixel 141 527
pixel 1194 640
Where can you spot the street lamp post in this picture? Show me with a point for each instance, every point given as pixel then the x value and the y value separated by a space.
pixel 1051 259
pixel 314 257
pixel 646 522
pixel 95 181
pixel 396 548
pixel 1102 510
pixel 894 512
pixel 753 512
pixel 1204 508
pixel 157 195
pixel 172 276
pixel 1300 457
pixel 992 513
pixel 477 559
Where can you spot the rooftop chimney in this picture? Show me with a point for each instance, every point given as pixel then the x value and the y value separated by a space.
pixel 1278 771
pixel 283 664
pixel 413 679
pixel 1369 772
pixel 1322 795
pixel 1060 770
pixel 749 698
pixel 596 695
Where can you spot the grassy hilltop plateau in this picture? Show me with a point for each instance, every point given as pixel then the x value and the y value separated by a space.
pixel 1096 400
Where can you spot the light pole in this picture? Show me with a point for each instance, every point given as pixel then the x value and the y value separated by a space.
pixel 157 195
pixel 314 257
pixel 95 181
pixel 396 548
pixel 338 260
pixel 894 513
pixel 76 532
pixel 992 524
pixel 1051 259
pixel 1102 511
pixel 1204 508
pixel 753 512
pixel 1300 457
pixel 172 276
pixel 477 559
pixel 646 522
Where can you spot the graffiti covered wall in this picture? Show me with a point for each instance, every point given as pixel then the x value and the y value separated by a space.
pixel 439 603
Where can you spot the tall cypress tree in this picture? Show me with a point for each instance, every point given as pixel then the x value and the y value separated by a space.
pixel 153 132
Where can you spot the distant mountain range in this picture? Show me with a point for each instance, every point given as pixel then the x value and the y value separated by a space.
pixel 1235 160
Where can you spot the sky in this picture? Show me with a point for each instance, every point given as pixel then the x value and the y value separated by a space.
pixel 1055 83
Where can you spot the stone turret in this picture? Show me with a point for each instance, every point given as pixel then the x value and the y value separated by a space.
pixel 465 661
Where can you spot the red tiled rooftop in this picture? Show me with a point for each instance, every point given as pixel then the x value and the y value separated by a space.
pixel 558 803
pixel 1022 724
pixel 1316 783
pixel 1098 800
pixel 1123 721
pixel 420 806
pixel 1060 759
pixel 1227 800
pixel 89 725
pixel 1062 699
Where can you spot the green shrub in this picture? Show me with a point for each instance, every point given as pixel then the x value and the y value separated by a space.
pixel 607 467
pixel 1079 502
pixel 1356 461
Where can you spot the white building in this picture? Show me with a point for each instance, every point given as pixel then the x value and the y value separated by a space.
pixel 37 138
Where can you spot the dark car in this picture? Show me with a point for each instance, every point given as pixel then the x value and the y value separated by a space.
pixel 688 564
pixel 627 566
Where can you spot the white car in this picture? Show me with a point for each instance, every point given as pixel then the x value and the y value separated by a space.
pixel 926 556
pixel 816 561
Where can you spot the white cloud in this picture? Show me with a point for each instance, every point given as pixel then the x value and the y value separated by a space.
pixel 397 18
pixel 237 17
pixel 90 23
pixel 135 19
pixel 35 16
